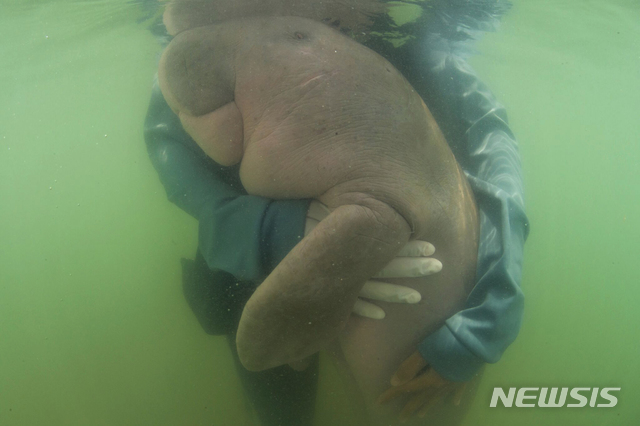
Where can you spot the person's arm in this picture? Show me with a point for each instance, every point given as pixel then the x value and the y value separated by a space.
pixel 489 155
pixel 476 127
pixel 242 234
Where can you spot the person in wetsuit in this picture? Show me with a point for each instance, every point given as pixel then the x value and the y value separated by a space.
pixel 243 237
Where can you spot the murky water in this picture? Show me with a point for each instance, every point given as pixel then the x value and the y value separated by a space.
pixel 94 327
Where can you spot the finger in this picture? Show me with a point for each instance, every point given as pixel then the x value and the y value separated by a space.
pixel 408 267
pixel 367 310
pixel 437 379
pixel 392 293
pixel 415 403
pixel 417 248
pixel 408 369
pixel 420 383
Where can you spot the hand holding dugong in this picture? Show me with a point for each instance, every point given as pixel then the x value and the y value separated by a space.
pixel 309 113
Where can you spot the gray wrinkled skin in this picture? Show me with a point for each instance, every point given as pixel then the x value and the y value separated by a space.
pixel 319 116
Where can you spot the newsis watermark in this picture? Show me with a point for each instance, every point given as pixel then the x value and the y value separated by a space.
pixel 553 397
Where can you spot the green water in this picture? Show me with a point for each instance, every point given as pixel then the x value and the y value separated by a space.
pixel 94 328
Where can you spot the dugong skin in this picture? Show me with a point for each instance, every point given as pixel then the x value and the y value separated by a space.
pixel 316 115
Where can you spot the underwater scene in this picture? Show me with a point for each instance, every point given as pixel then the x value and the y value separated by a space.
pixel 303 212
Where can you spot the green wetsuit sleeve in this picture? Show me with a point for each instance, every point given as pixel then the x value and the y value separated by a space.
pixel 242 234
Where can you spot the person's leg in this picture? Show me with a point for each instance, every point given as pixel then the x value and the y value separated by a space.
pixel 281 396
pixel 215 297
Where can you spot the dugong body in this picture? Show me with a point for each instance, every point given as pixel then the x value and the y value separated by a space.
pixel 310 113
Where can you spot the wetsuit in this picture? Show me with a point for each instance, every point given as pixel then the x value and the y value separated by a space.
pixel 243 237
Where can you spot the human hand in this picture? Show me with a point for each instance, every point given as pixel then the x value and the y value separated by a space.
pixel 424 386
pixel 412 261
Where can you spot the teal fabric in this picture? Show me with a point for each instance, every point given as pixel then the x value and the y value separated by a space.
pixel 244 235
